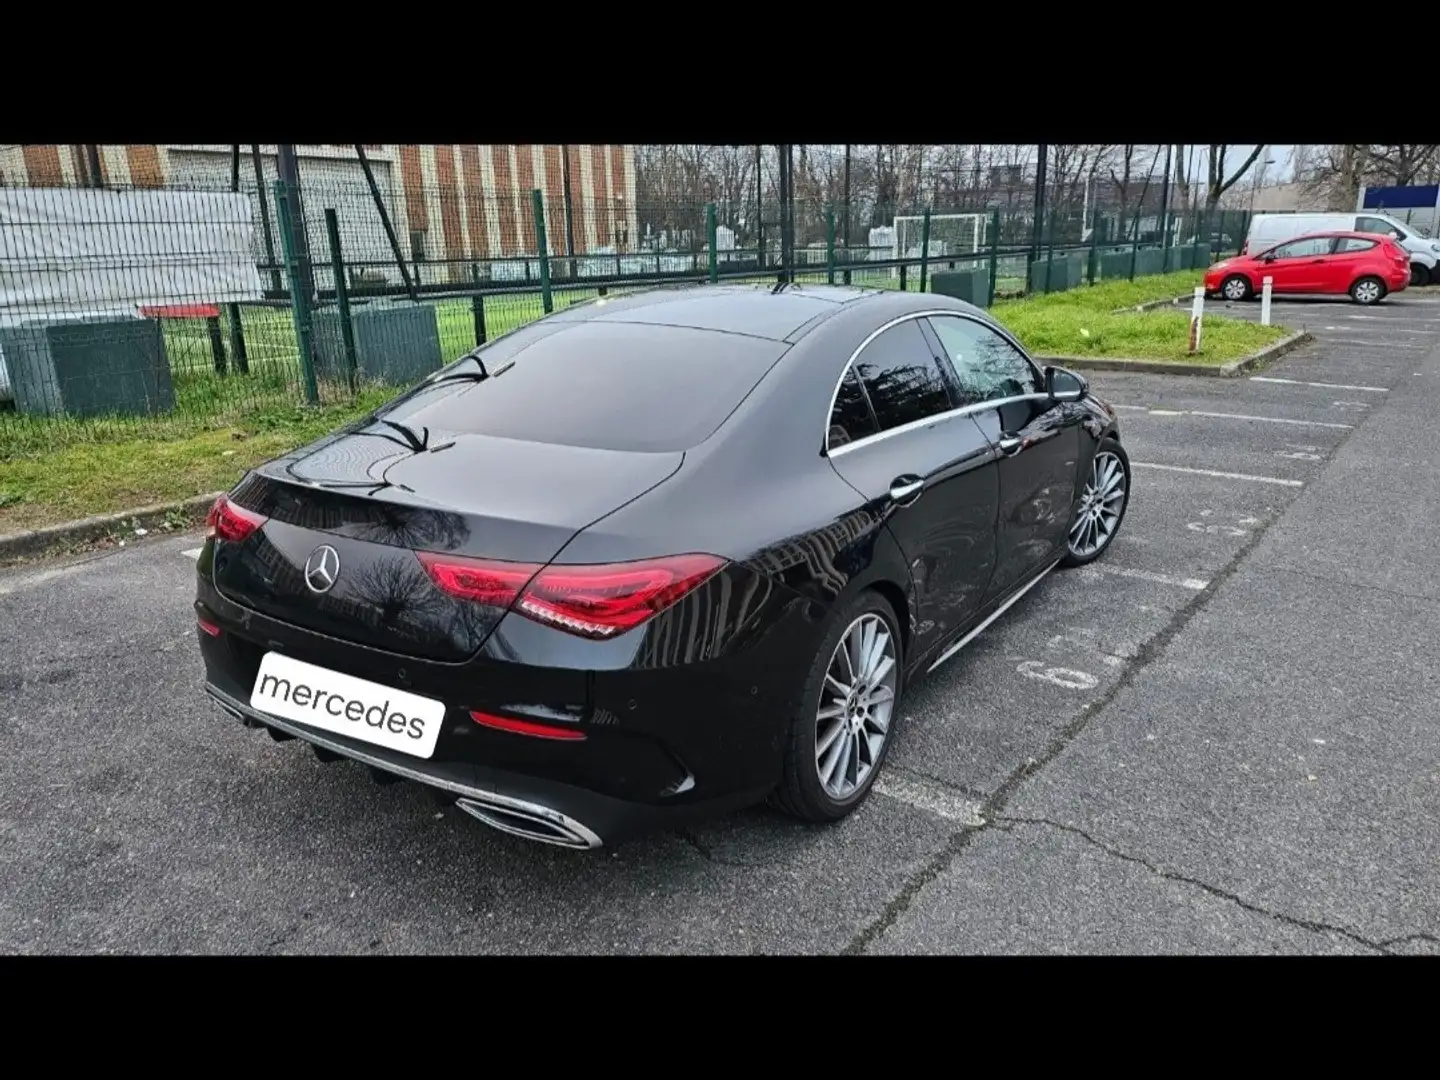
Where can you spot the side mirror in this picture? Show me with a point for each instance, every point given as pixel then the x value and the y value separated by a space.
pixel 1062 384
pixel 1268 257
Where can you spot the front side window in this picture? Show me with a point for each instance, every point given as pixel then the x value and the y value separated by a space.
pixel 987 367
pixel 901 377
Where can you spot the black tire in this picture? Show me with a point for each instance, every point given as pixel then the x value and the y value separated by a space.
pixel 800 793
pixel 1239 285
pixel 1361 288
pixel 1420 275
pixel 1108 445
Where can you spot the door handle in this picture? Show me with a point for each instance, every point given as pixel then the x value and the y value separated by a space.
pixel 906 489
pixel 1011 445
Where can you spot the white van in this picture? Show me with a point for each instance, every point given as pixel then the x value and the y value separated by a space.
pixel 1267 230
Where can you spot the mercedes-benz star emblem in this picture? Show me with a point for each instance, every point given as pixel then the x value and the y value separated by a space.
pixel 322 568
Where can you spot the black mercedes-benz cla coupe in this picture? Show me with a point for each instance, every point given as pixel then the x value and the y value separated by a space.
pixel 656 556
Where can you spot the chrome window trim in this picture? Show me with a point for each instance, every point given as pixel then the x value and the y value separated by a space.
pixel 916 425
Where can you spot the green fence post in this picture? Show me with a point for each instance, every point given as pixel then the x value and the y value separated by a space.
pixel 994 255
pixel 830 244
pixel 1195 225
pixel 1049 249
pixel 925 250
pixel 299 302
pixel 477 305
pixel 342 296
pixel 1094 260
pixel 711 231
pixel 547 301
pixel 1135 246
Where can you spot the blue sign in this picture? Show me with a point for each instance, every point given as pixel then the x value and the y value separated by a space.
pixel 1402 198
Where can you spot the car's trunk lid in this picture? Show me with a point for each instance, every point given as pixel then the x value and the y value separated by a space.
pixel 377 500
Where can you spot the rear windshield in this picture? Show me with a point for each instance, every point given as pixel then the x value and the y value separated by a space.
pixel 605 386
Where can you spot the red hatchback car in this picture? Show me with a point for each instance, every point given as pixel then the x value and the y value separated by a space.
pixel 1365 266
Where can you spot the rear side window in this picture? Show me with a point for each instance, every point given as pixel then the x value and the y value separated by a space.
pixel 901 377
pixel 1375 225
pixel 851 418
pixel 603 386
pixel 1350 244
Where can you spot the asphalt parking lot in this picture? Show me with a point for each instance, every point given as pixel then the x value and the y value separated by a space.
pixel 1220 738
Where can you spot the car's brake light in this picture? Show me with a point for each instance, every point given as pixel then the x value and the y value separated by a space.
pixel 228 521
pixel 595 601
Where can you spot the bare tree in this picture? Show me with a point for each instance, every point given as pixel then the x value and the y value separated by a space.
pixel 1218 183
pixel 1127 164
pixel 1399 165
pixel 1334 174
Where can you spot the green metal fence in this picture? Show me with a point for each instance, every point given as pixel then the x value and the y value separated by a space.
pixel 343 308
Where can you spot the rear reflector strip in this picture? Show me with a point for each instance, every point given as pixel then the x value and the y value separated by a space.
pixel 209 627
pixel 526 727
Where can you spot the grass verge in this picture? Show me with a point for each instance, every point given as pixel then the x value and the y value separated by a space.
pixel 56 471
pixel 1083 322
pixel 80 479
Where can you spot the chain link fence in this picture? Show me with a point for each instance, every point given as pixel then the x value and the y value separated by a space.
pixel 129 313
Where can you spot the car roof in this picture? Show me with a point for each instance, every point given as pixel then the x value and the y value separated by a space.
pixel 1354 234
pixel 773 312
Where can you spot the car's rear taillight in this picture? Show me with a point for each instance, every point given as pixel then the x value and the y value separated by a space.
pixel 228 521
pixel 597 601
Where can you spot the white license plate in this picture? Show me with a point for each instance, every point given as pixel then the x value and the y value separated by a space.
pixel 294 690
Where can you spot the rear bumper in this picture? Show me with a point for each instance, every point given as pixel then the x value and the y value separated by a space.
pixel 537 809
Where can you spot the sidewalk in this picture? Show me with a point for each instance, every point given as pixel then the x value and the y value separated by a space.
pixel 1270 781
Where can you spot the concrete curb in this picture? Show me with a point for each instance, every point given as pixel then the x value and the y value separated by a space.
pixel 1158 367
pixel 34 541
pixel 1150 305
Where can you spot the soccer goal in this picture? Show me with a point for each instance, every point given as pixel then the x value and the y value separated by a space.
pixel 951 236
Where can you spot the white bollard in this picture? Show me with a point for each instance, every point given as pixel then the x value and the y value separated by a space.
pixel 1197 315
pixel 1265 284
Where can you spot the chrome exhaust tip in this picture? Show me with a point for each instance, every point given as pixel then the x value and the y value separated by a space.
pixel 529 821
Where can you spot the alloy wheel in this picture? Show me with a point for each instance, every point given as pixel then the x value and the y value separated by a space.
pixel 1100 506
pixel 1234 289
pixel 856 703
pixel 1367 292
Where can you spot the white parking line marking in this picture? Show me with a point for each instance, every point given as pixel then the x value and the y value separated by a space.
pixel 1272 420
pixel 1244 416
pixel 1195 584
pixel 930 798
pixel 1219 475
pixel 1323 385
pixel 29 581
pixel 1386 318
pixel 1387 346
pixel 193 553
pixel 1388 330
